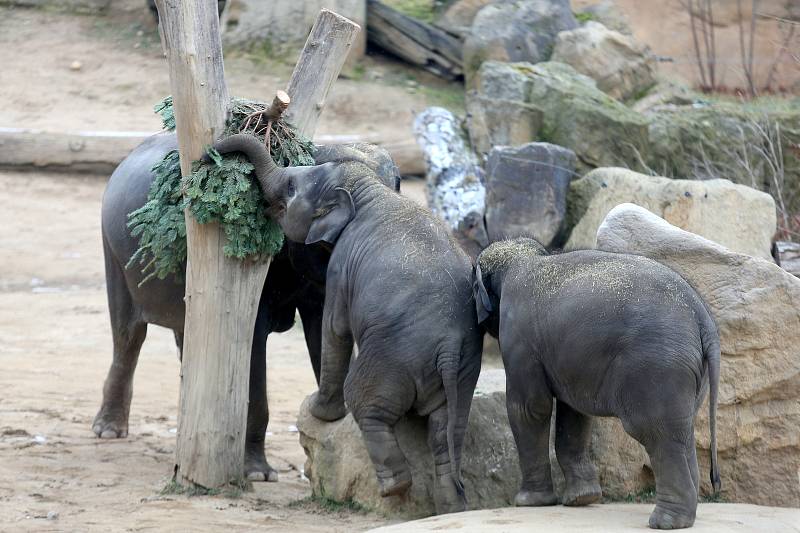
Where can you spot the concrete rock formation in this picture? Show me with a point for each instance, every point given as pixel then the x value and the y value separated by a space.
pixel 622 68
pixel 738 217
pixel 526 191
pixel 756 305
pixel 339 468
pixel 515 31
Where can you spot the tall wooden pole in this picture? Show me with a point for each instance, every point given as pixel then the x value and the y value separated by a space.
pixel 222 294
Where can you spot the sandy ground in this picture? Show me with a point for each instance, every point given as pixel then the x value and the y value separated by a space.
pixel 55 344
pixel 55 348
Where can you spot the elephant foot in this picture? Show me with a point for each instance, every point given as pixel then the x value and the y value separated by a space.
pixel 256 467
pixel 582 493
pixel 397 484
pixel 328 411
pixel 107 425
pixel 665 519
pixel 527 498
pixel 449 496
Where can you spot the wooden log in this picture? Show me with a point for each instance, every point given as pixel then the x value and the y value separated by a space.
pixel 414 41
pixel 319 65
pixel 222 294
pixel 101 151
pixel 787 255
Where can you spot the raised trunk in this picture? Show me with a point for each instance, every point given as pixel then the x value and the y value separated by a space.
pixel 255 151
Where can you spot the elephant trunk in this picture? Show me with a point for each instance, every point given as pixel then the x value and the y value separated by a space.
pixel 255 151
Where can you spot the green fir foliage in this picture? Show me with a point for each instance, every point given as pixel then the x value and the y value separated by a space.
pixel 221 190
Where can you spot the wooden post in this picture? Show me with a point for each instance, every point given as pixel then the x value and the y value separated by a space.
pixel 222 294
pixel 320 62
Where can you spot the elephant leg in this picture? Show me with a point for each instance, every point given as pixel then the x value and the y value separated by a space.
pixel 674 462
pixel 391 467
pixel 311 309
pixel 256 467
pixel 128 332
pixel 337 347
pixel 448 491
pixel 573 438
pixel 530 405
pixel 179 343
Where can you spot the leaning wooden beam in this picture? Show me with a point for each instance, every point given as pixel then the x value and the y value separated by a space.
pixel 413 40
pixel 101 151
pixel 222 294
pixel 320 63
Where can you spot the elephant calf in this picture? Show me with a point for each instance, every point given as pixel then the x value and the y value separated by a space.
pixel 400 288
pixel 606 335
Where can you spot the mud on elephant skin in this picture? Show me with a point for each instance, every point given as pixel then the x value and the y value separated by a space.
pixel 295 282
pixel 605 335
pixel 399 287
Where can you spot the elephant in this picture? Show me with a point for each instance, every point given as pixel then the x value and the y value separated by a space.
pixel 295 281
pixel 398 287
pixel 604 334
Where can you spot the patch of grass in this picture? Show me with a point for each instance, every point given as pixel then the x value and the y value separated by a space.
pixel 715 497
pixel 173 488
pixel 329 505
pixel 646 495
pixel 424 10
pixel 584 17
pixel 450 97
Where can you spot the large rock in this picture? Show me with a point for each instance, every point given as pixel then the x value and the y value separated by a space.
pixel 458 15
pixel 576 114
pixel 497 122
pixel 526 191
pixel 621 67
pixel 738 217
pixel 455 184
pixel 608 14
pixel 753 144
pixel 515 31
pixel 756 305
pixel 339 468
pixel 607 518
pixel 280 27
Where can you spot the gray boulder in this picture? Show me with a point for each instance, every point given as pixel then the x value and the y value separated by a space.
pixel 622 68
pixel 526 191
pixel 339 468
pixel 515 31
pixel 608 14
pixel 576 114
pixel 756 306
pixel 280 27
pixel 498 122
pixel 736 216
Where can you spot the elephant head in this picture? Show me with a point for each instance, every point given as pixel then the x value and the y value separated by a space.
pixel 311 203
pixel 490 270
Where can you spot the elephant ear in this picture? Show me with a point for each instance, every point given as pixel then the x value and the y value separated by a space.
pixel 331 218
pixel 483 305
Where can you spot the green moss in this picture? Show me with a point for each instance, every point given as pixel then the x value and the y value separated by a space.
pixel 583 17
pixel 424 10
pixel 175 488
pixel 450 97
pixel 329 505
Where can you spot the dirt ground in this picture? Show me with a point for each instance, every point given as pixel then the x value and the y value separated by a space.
pixel 55 344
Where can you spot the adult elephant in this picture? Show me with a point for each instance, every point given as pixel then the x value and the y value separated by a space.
pixel 295 282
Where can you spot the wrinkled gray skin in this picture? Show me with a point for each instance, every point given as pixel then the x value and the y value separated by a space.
pixel 296 281
pixel 606 335
pixel 399 287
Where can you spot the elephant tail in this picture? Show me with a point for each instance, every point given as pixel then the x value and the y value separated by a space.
pixel 447 364
pixel 711 354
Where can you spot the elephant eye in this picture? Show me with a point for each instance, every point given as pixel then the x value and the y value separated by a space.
pixel 290 189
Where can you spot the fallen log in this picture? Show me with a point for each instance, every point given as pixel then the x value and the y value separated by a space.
pixel 414 41
pixel 101 151
pixel 787 255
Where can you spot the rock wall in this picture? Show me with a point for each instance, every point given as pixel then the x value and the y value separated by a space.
pixel 739 217
pixel 756 305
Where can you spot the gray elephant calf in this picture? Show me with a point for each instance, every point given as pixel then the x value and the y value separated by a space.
pixel 399 287
pixel 606 335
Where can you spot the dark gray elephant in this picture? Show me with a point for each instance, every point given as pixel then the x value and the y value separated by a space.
pixel 606 335
pixel 399 287
pixel 296 281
